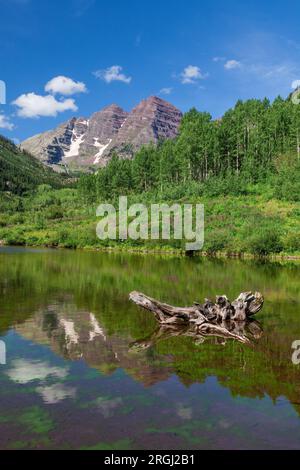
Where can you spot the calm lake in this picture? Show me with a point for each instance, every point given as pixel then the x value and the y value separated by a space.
pixel 86 369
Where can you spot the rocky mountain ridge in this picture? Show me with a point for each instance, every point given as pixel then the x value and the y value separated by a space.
pixel 90 142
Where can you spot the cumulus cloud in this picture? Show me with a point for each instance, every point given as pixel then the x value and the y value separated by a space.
pixel 55 393
pixel 295 84
pixel 184 412
pixel 113 74
pixel 33 106
pixel 191 74
pixel 166 91
pixel 5 123
pixel 24 371
pixel 107 406
pixel 232 64
pixel 64 86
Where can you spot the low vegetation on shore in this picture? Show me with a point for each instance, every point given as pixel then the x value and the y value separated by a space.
pixel 256 223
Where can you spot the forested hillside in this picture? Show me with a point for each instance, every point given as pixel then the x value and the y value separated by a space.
pixel 20 172
pixel 255 142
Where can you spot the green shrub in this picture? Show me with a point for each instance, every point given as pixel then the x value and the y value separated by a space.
pixel 54 213
pixel 39 221
pixel 287 183
pixel 215 241
pixel 3 220
pixel 264 242
pixel 292 242
pixel 16 219
pixel 225 185
pixel 15 238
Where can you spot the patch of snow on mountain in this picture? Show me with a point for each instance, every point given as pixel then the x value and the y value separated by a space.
pixel 85 122
pixel 101 151
pixel 97 143
pixel 75 145
pixel 71 335
pixel 123 123
pixel 97 330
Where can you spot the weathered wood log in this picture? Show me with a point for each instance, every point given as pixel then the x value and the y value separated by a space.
pixel 209 319
pixel 246 305
pixel 166 314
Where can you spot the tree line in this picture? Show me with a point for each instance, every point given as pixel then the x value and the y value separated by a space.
pixel 247 146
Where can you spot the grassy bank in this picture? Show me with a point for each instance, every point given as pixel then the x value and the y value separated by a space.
pixel 255 224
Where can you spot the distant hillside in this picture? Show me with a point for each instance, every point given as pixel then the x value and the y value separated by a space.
pixel 20 171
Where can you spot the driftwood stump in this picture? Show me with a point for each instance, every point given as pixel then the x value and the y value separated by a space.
pixel 223 318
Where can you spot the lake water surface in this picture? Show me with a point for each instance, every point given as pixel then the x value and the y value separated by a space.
pixel 86 369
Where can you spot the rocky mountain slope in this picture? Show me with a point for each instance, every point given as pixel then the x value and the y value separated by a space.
pixel 87 143
pixel 79 335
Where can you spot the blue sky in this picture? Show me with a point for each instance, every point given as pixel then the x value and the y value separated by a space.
pixel 192 53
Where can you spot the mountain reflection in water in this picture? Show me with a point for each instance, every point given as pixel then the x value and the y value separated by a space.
pixel 87 369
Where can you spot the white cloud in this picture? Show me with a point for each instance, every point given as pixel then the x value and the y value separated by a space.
pixel 5 123
pixel 191 74
pixel 24 371
pixel 232 64
pixel 166 91
pixel 53 394
pixel 33 106
pixel 295 84
pixel 108 406
pixel 184 412
pixel 64 86
pixel 113 74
